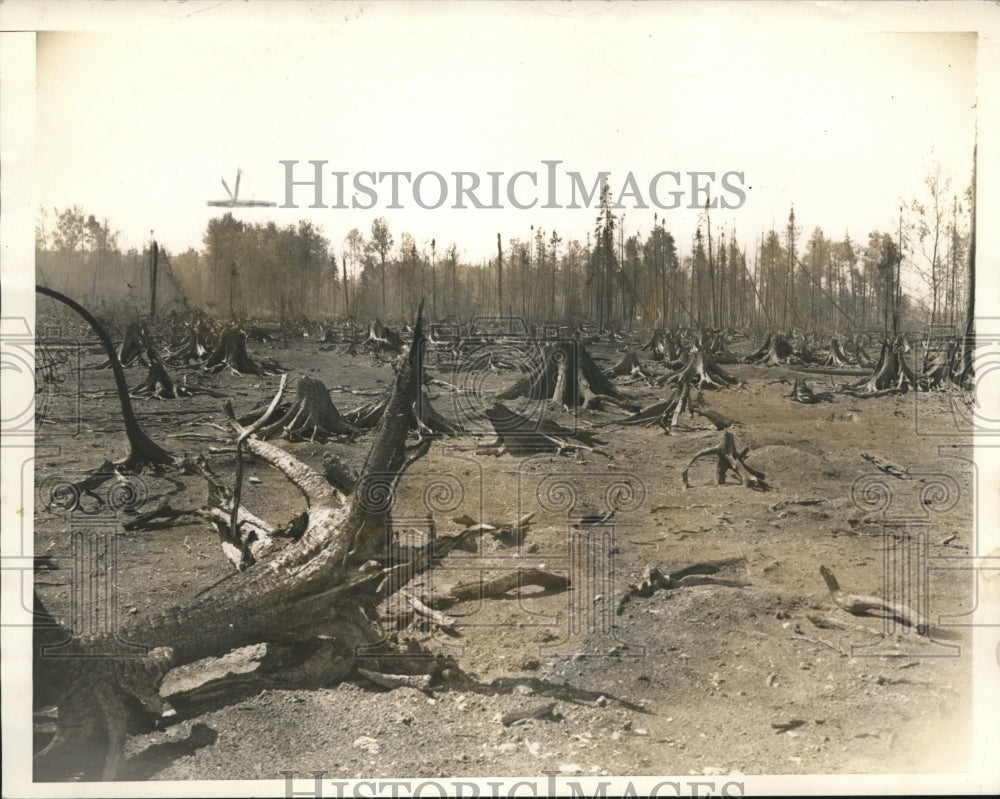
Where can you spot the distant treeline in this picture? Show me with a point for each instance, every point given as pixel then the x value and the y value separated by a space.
pixel 620 281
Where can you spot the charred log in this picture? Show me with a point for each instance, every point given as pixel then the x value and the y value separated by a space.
pixel 321 587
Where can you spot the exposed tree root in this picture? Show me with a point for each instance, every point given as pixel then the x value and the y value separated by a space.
pixel 892 375
pixel 131 349
pixel 567 377
pixel 628 365
pixel 667 414
pixel 836 356
pixel 729 459
pixel 312 416
pixel 654 580
pixel 367 415
pixel 858 605
pixel 699 369
pixel 519 435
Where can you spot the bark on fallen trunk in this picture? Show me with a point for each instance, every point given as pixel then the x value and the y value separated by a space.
pixel 322 585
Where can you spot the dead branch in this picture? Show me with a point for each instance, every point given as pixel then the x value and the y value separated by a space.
pixel 858 605
pixel 654 580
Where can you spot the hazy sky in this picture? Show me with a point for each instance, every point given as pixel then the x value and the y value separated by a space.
pixel 139 127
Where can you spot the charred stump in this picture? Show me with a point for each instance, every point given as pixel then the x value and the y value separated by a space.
pixel 802 393
pixel 892 374
pixel 776 351
pixel 729 459
pixel 701 370
pixel 566 378
pixel 312 416
pixel 158 383
pixel 232 353
pixel 628 366
pixel 520 435
pixel 836 356
pixel 131 349
pixel 191 349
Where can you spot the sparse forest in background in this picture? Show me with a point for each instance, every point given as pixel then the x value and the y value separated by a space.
pixel 775 279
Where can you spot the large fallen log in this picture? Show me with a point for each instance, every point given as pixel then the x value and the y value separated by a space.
pixel 320 590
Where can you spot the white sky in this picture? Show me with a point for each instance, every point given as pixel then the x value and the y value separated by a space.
pixel 139 126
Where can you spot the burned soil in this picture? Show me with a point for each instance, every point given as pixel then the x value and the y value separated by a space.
pixel 759 672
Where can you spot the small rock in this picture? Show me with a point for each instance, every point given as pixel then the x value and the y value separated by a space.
pixel 570 768
pixel 712 771
pixel 602 701
pixel 254 480
pixel 367 743
pixel 523 690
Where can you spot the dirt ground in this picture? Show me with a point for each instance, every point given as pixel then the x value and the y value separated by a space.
pixel 705 679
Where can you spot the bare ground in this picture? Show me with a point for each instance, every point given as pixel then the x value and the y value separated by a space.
pixel 707 679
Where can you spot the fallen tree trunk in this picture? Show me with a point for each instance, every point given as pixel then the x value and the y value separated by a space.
pixel 323 586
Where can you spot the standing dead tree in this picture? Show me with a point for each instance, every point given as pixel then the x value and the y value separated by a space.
pixel 320 593
pixel 143 451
